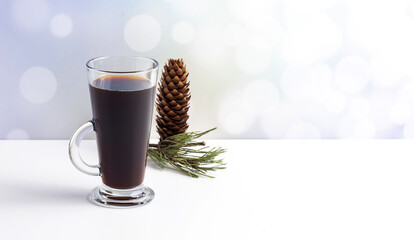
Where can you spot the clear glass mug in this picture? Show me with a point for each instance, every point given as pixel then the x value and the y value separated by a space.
pixel 122 91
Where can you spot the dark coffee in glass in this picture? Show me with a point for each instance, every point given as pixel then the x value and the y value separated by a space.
pixel 122 120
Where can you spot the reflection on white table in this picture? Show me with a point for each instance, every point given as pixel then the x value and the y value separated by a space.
pixel 272 189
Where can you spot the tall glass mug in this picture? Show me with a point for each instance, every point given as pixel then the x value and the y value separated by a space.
pixel 122 91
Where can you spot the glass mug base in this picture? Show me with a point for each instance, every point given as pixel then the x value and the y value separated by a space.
pixel 121 198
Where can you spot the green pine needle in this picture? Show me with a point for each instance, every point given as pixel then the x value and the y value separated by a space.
pixel 186 155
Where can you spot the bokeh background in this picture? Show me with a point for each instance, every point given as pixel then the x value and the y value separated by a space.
pixel 258 69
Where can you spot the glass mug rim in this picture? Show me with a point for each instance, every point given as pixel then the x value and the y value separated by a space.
pixel 89 64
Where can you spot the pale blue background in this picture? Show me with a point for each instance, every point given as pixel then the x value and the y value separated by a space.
pixel 258 69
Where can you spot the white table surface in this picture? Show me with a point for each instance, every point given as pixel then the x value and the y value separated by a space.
pixel 272 189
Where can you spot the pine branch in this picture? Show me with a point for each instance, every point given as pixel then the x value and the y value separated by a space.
pixel 186 155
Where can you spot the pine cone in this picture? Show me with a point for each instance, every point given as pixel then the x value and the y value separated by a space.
pixel 173 99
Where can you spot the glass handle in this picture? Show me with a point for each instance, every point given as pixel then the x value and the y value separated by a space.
pixel 74 154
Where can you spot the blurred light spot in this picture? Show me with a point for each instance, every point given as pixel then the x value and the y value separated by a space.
pixel 359 108
pixel 264 32
pixel 365 129
pixel 386 71
pixel 395 6
pixel 233 116
pixel 183 32
pixel 409 129
pixel 189 9
pixel 296 82
pixel 275 124
pixel 30 14
pixel 61 25
pixel 252 61
pixel 303 130
pixel 233 34
pixel 349 128
pixel 352 74
pixel 309 5
pixel 142 33
pixel 209 46
pixel 406 93
pixel 38 85
pixel 346 128
pixel 408 64
pixel 261 97
pixel 17 134
pixel 335 102
pixel 392 35
pixel 246 10
pixel 302 82
pixel 311 36
pixel 400 112
pixel 316 113
pixel 381 102
pixel 321 76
